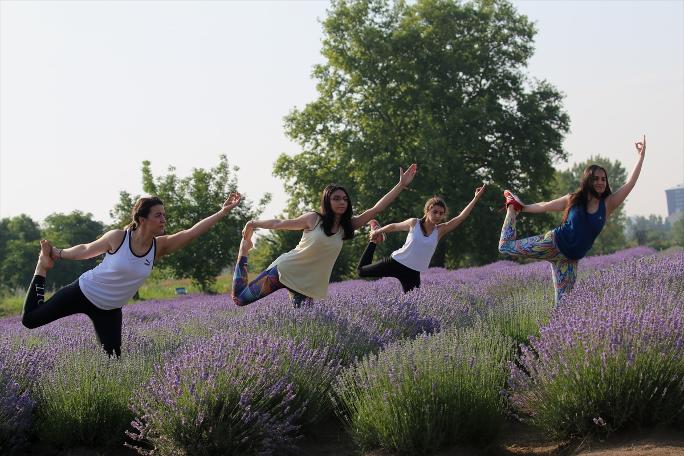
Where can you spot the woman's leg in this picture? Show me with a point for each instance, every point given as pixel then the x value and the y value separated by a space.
pixel 38 312
pixel 107 325
pixel 540 247
pixel 267 282
pixel 564 276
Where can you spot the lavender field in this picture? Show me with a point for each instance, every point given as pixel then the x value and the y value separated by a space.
pixel 444 365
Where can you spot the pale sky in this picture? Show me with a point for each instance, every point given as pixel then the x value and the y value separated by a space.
pixel 88 90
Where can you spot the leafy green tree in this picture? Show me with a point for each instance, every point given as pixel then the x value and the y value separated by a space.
pixel 677 232
pixel 65 230
pixel 188 200
pixel 436 82
pixel 19 249
pixel 612 237
pixel 652 231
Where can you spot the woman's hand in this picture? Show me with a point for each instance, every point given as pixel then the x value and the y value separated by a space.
pixel 479 191
pixel 232 201
pixel 641 147
pixel 405 177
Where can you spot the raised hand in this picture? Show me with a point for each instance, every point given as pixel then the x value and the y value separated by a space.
pixel 479 191
pixel 405 177
pixel 641 147
pixel 232 201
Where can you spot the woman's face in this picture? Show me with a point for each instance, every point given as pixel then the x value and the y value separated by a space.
pixel 599 181
pixel 155 220
pixel 339 202
pixel 435 214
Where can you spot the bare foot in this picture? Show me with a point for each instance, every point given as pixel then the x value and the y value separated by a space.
pixel 245 246
pixel 45 263
pixel 374 226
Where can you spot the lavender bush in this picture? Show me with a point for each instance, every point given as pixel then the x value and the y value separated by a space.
pixel 231 394
pixel 417 396
pixel 612 357
pixel 15 413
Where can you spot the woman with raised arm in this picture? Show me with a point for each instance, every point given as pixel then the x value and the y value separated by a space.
pixel 585 213
pixel 305 271
pixel 101 292
pixel 414 257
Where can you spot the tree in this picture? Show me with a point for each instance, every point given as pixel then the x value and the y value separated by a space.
pixel 19 249
pixel 612 236
pixel 652 231
pixel 678 232
pixel 436 82
pixel 187 200
pixel 65 230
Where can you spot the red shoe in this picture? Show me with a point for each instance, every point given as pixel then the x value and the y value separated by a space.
pixel 374 225
pixel 513 200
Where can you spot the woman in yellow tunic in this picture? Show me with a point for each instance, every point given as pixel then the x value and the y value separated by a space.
pixel 305 271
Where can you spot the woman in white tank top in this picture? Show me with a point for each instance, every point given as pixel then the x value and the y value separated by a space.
pixel 305 270
pixel 129 257
pixel 406 263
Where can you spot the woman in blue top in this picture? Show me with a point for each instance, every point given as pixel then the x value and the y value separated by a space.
pixel 586 211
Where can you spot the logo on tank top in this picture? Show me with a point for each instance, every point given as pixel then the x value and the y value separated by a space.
pixel 147 262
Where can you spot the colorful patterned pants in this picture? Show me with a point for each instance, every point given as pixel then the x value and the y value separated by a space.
pixel 266 283
pixel 540 247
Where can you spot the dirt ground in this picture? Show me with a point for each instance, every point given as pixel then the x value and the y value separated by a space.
pixel 516 440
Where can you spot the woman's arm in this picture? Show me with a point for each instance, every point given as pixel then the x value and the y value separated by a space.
pixel 617 198
pixel 557 205
pixel 303 222
pixel 445 228
pixel 108 242
pixel 405 178
pixel 406 225
pixel 171 243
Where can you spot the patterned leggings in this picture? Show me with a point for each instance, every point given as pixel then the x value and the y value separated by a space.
pixel 266 283
pixel 540 247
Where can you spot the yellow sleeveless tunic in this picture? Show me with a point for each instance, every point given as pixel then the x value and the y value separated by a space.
pixel 306 269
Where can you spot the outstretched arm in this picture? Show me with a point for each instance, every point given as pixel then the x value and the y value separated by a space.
pixel 392 227
pixel 405 178
pixel 109 241
pixel 617 198
pixel 171 243
pixel 303 222
pixel 557 205
pixel 445 228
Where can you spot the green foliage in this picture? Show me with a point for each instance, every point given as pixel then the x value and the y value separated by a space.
pixel 65 230
pixel 187 200
pixel 612 238
pixel 18 264
pixel 652 231
pixel 85 399
pixel 418 396
pixel 19 249
pixel 435 82
pixel 624 392
pixel 678 232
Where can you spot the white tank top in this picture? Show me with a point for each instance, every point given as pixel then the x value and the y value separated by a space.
pixel 114 281
pixel 418 249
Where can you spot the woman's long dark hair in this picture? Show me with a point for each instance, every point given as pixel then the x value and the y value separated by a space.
pixel 328 215
pixel 142 208
pixel 434 201
pixel 586 188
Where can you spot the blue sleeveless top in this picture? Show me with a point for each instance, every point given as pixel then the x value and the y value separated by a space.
pixel 575 237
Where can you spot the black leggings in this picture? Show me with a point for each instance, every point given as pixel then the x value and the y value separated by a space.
pixel 70 300
pixel 387 267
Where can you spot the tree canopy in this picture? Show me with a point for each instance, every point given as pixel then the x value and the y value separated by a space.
pixel 436 82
